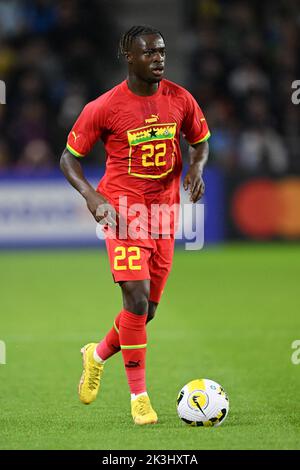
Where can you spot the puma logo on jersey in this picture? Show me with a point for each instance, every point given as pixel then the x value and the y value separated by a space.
pixel 153 118
pixel 75 136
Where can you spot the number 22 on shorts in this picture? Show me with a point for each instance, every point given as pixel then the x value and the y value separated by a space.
pixel 133 254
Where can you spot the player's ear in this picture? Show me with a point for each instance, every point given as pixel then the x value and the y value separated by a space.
pixel 129 57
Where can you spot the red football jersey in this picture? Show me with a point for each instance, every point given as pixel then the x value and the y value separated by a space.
pixel 141 135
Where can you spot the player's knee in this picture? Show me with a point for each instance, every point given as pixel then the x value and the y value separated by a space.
pixel 140 305
pixel 137 303
pixel 135 297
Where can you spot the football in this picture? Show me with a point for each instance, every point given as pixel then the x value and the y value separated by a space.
pixel 202 402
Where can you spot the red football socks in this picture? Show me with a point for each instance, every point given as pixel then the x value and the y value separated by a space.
pixel 129 331
pixel 110 345
pixel 133 342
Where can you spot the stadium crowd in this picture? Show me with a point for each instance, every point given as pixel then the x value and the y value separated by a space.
pixel 54 57
pixel 243 58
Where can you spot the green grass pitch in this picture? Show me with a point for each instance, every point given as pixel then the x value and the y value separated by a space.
pixel 228 313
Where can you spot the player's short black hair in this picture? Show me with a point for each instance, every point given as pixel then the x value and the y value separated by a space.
pixel 135 31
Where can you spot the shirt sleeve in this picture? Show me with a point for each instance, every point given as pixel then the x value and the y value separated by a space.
pixel 194 128
pixel 86 130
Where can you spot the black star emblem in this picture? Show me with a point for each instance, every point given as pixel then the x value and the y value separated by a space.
pixel 153 133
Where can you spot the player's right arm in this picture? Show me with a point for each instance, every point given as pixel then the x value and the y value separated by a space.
pixel 96 203
pixel 81 139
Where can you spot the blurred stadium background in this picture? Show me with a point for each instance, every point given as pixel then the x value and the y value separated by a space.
pixel 239 60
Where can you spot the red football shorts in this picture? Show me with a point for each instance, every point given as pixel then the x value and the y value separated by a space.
pixel 136 260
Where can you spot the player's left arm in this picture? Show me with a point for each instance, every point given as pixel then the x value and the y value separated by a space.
pixel 196 132
pixel 198 154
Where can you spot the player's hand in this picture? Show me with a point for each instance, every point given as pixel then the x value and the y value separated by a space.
pixel 102 211
pixel 194 182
